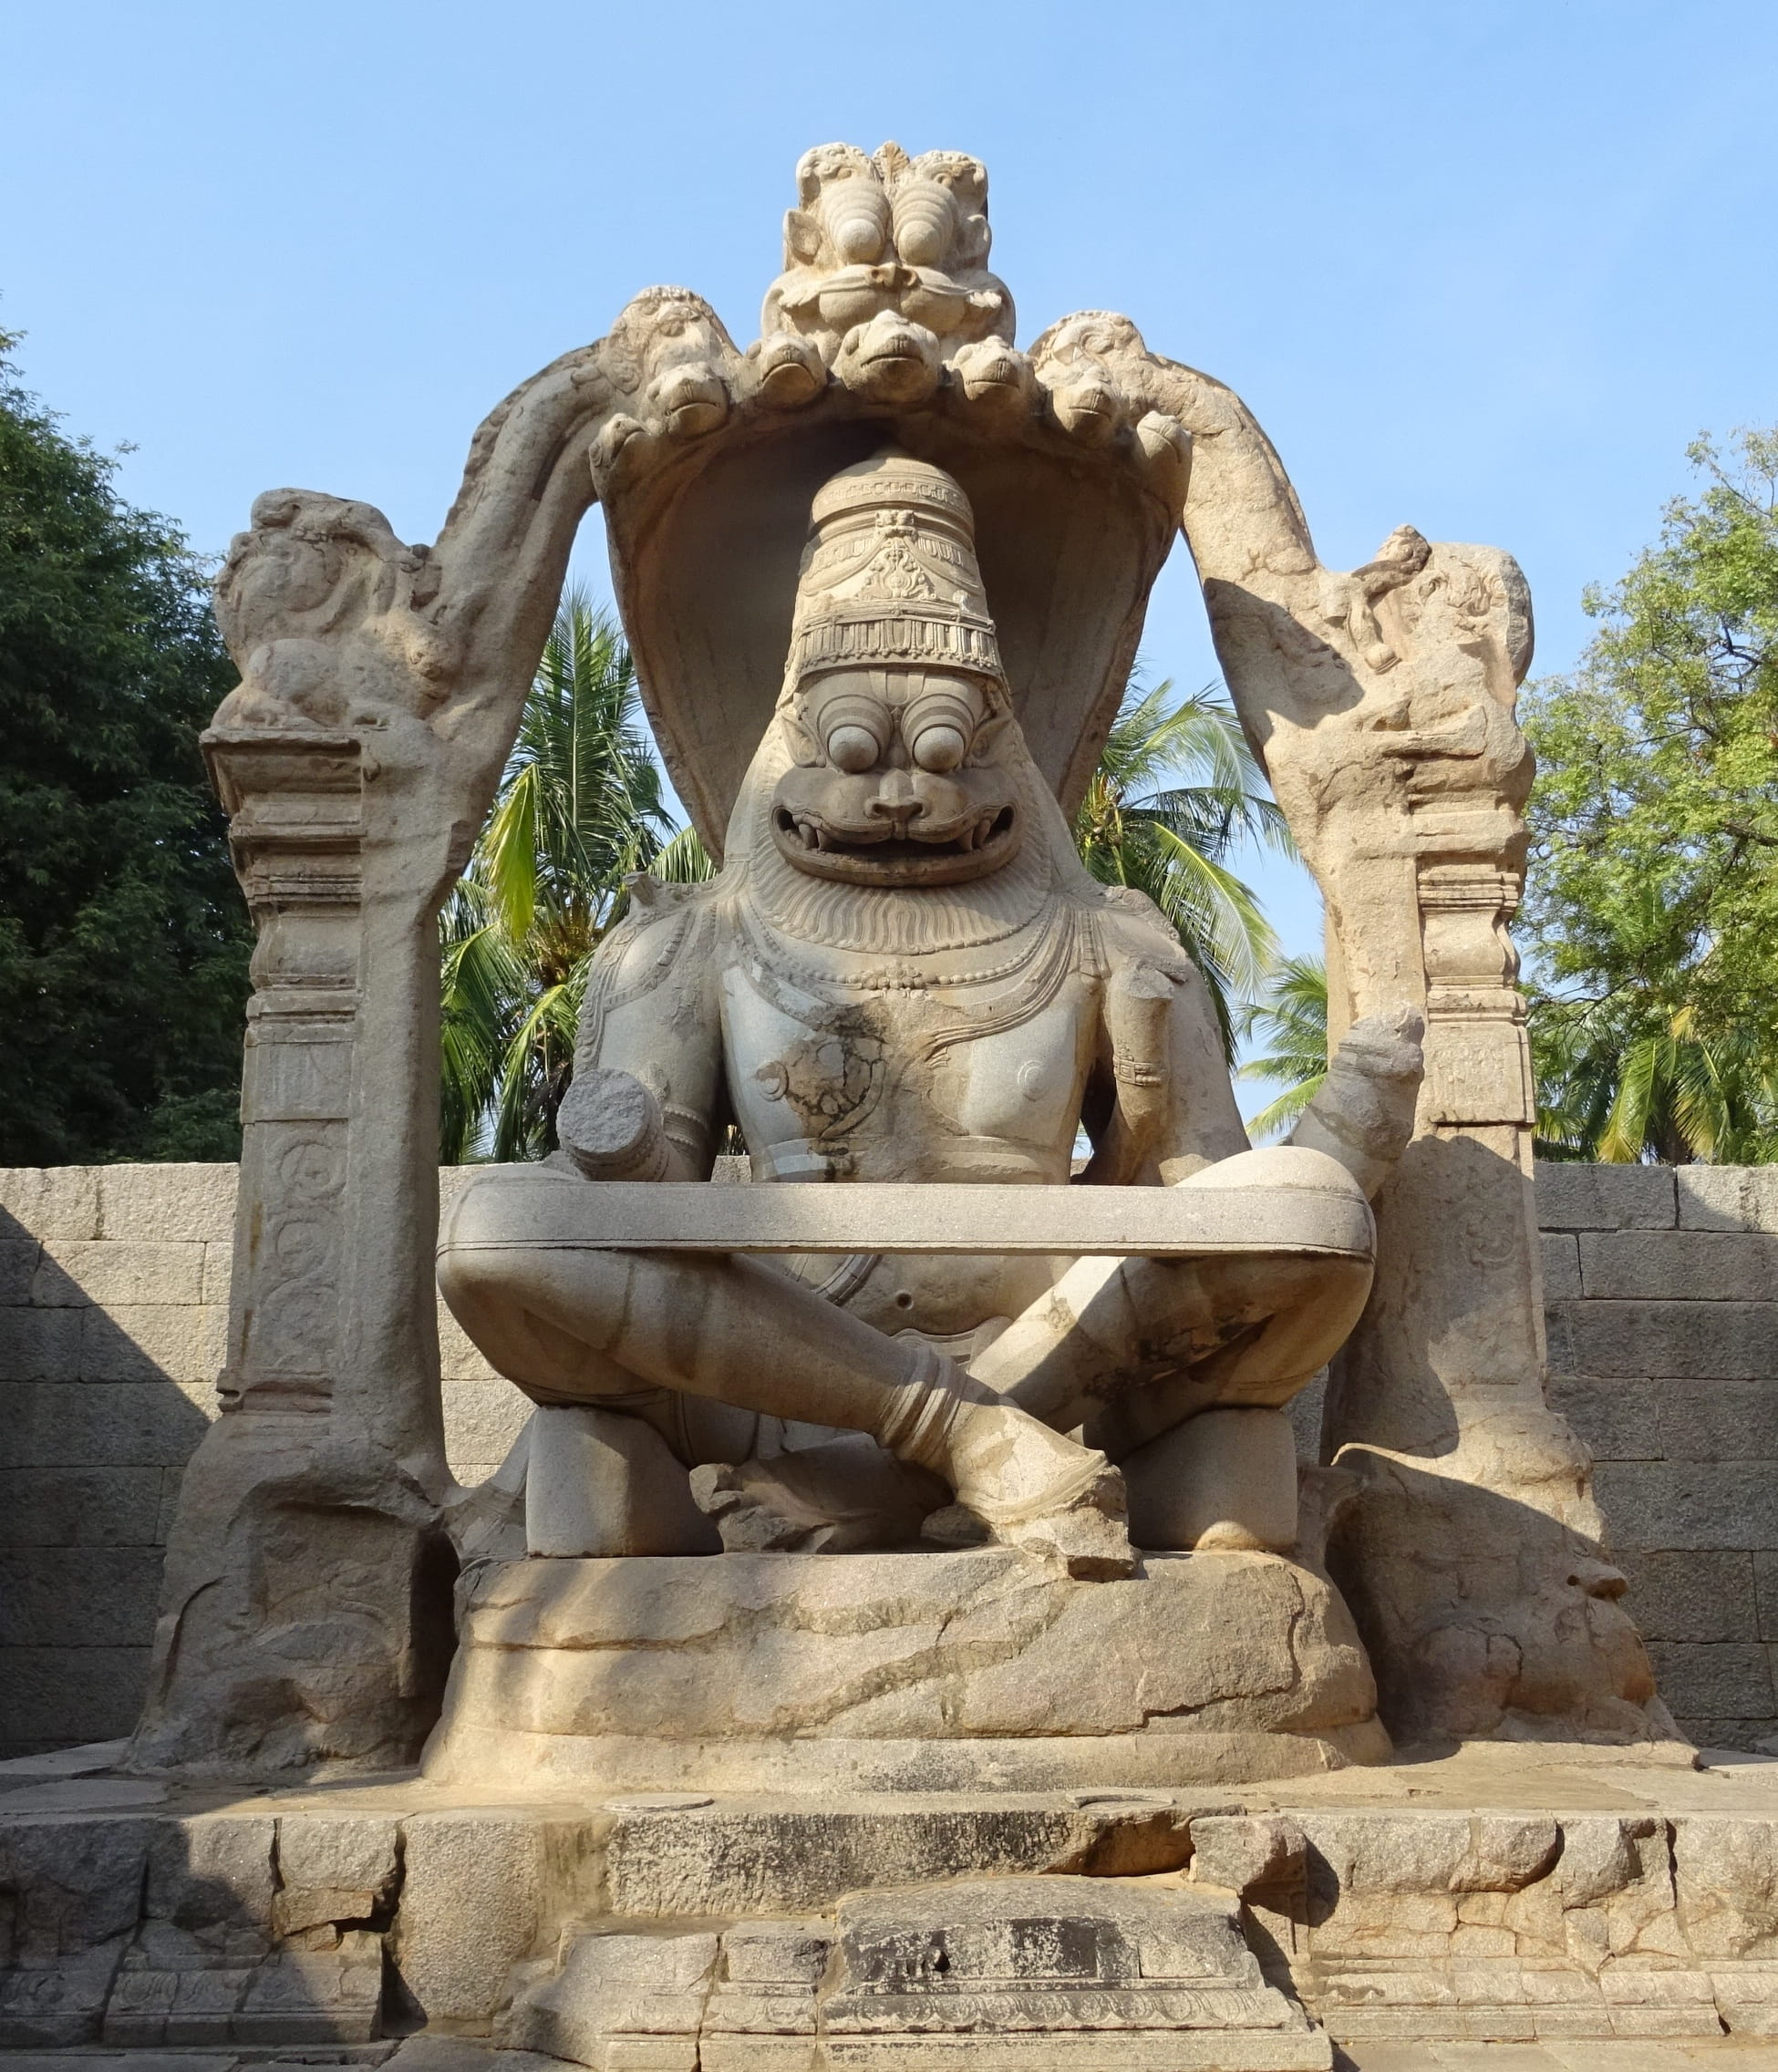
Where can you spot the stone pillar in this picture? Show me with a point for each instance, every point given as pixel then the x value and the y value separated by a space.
pixel 1382 703
pixel 296 831
pixel 1472 1555
pixel 307 1604
pixel 1458 1303
pixel 306 1614
pixel 1479 1093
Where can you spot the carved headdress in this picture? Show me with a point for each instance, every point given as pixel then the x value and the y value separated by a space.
pixel 890 575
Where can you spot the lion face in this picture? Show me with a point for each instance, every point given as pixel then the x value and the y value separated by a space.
pixel 898 779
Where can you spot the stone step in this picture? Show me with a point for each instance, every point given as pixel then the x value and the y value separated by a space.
pixel 1023 1974
pixel 1557 1898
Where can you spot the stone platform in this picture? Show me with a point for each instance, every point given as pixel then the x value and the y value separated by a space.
pixel 1559 1897
pixel 928 1671
pixel 431 2053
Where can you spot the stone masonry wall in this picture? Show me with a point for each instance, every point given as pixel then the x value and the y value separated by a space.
pixel 113 1316
pixel 1661 1287
pixel 1663 1321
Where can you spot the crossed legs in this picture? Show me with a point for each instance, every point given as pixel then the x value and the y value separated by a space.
pixel 1131 1349
pixel 580 1325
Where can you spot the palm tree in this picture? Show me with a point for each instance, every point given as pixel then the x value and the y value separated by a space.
pixel 1172 840
pixel 1291 1016
pixel 1615 1083
pixel 1625 1080
pixel 581 805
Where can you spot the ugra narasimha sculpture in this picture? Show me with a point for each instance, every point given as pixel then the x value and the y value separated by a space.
pixel 903 973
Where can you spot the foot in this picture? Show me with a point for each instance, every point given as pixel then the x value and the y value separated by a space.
pixel 1037 1491
pixel 1030 1487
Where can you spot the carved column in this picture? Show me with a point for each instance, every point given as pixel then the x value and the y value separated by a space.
pixel 1479 1088
pixel 308 1577
pixel 306 1612
pixel 1470 1555
pixel 1458 1303
pixel 296 831
pixel 1381 700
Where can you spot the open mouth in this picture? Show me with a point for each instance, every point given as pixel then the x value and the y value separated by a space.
pixel 815 838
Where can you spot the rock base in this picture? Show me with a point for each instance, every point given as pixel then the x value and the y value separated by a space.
pixel 1542 1895
pixel 1063 1973
pixel 983 1670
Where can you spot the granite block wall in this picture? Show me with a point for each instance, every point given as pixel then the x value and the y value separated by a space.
pixel 1662 1291
pixel 1661 1287
pixel 113 1316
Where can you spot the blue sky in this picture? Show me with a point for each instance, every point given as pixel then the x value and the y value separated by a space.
pixel 1484 268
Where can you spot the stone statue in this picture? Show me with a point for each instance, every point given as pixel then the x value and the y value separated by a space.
pixel 904 973
pixel 902 985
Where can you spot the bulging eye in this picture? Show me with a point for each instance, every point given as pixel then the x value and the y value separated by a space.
pixel 853 748
pixel 940 748
pixel 855 725
pixel 940 723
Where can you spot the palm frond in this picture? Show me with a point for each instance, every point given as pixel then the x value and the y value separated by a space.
pixel 533 1077
pixel 1291 1017
pixel 506 860
pixel 1175 791
pixel 1632 1109
pixel 481 977
pixel 684 860
pixel 581 806
pixel 1281 1115
pixel 1628 1078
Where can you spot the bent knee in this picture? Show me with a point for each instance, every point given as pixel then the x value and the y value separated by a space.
pixel 1292 1167
pixel 466 1276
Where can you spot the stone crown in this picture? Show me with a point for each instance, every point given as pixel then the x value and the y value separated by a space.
pixel 890 574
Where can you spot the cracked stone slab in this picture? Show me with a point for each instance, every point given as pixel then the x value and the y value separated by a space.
pixel 935 1671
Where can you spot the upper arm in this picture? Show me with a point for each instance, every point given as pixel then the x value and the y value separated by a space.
pixel 1159 1058
pixel 651 1011
pixel 1203 1122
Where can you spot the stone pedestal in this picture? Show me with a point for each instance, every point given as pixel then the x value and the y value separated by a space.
pixel 1017 1974
pixel 977 1670
pixel 1562 1897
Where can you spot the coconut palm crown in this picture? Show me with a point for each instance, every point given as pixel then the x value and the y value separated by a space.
pixel 581 806
pixel 1176 793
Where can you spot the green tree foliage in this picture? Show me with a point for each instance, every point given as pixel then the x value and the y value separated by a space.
pixel 1290 1018
pixel 581 806
pixel 1175 793
pixel 1653 893
pixel 123 935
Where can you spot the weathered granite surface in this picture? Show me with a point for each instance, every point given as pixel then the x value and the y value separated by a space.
pixel 922 1671
pixel 89 1465
pixel 1553 1896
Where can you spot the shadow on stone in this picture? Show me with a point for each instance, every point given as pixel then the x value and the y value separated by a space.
pixel 95 1431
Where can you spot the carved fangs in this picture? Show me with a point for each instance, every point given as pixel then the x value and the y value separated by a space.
pixel 989 826
pixel 898 853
